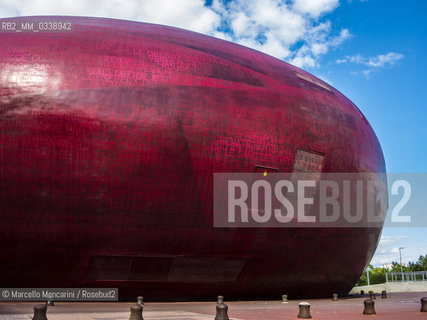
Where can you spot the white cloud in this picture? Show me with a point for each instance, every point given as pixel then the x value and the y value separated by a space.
pixel 384 59
pixel 286 30
pixel 388 250
pixel 295 30
pixel 386 240
pixel 318 42
pixel 241 25
pixel 379 61
pixel 375 63
pixel 394 250
pixel 189 14
pixel 315 8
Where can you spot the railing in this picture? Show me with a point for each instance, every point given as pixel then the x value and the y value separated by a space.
pixel 406 276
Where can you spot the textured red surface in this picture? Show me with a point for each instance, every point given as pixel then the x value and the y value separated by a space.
pixel 109 139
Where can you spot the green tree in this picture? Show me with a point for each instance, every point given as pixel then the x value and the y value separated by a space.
pixel 395 267
pixel 363 281
pixel 420 265
pixel 377 275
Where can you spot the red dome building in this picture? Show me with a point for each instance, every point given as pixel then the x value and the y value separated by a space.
pixel 110 136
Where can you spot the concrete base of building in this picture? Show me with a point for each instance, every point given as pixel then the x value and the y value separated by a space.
pixel 407 286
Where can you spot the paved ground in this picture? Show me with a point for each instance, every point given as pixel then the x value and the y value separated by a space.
pixel 400 306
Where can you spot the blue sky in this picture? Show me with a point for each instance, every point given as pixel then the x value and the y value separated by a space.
pixel 373 51
pixel 392 97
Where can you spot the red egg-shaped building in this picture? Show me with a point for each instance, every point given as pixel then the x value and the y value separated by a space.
pixel 110 136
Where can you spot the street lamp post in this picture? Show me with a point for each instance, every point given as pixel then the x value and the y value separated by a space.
pixel 367 276
pixel 400 254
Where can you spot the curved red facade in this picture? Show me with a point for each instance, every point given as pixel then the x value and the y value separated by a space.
pixel 109 139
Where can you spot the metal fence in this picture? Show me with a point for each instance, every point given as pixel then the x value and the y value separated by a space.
pixel 406 276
